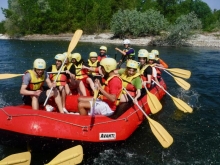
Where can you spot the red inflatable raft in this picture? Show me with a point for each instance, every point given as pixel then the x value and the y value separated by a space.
pixel 22 119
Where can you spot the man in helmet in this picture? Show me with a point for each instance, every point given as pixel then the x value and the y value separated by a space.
pixel 110 92
pixel 61 80
pixel 127 53
pixel 32 84
pixel 102 53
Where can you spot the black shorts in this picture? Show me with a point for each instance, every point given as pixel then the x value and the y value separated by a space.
pixel 41 99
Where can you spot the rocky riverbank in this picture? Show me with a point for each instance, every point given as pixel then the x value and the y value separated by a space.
pixel 200 40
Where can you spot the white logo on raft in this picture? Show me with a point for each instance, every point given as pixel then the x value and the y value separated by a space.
pixel 107 136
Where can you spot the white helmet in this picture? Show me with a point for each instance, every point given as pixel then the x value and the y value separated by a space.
pixel 126 42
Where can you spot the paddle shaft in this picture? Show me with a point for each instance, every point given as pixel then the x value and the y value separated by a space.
pixel 72 45
pixel 55 80
pixel 162 88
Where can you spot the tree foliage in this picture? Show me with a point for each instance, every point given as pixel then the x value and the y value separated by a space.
pixel 133 22
pixel 60 16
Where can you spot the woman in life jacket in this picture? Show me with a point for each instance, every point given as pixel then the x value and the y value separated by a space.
pixel 131 81
pixel 82 71
pixel 75 86
pixel 145 69
pixel 151 62
pixel 61 80
pixel 159 63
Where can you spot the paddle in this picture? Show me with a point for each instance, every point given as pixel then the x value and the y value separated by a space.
pixel 179 72
pixel 153 102
pixel 72 45
pixel 158 130
pixel 185 85
pixel 181 105
pixel 6 76
pixel 23 158
pixel 70 156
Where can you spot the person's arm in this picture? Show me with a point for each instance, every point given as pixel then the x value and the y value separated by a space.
pixel 148 75
pixel 25 83
pixel 121 51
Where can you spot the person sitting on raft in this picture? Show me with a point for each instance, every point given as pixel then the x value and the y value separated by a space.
pixel 81 72
pixel 93 66
pixel 102 53
pixel 110 93
pixel 75 86
pixel 61 80
pixel 145 69
pixel 131 81
pixel 32 86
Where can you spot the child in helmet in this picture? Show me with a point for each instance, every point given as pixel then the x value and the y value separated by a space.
pixel 127 53
pixel 110 93
pixel 32 86
pixel 131 81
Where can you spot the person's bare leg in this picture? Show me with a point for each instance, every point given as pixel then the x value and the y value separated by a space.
pixel 123 98
pixel 83 107
pixel 67 89
pixel 85 98
pixel 34 103
pixel 63 95
pixel 57 99
pixel 82 88
pixel 91 83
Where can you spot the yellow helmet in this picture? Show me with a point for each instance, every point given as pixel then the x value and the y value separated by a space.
pixel 156 52
pixel 103 48
pixel 143 53
pixel 93 54
pixel 39 64
pixel 69 56
pixel 60 57
pixel 77 56
pixel 132 64
pixel 151 56
pixel 109 64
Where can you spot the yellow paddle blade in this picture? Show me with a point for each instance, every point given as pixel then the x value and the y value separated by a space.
pixel 23 158
pixel 160 133
pixel 153 102
pixel 74 41
pixel 180 72
pixel 185 85
pixel 6 76
pixel 70 156
pixel 181 105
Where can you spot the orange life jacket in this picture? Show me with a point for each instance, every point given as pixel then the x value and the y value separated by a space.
pixel 61 80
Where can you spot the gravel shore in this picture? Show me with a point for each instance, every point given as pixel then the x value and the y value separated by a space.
pixel 200 40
